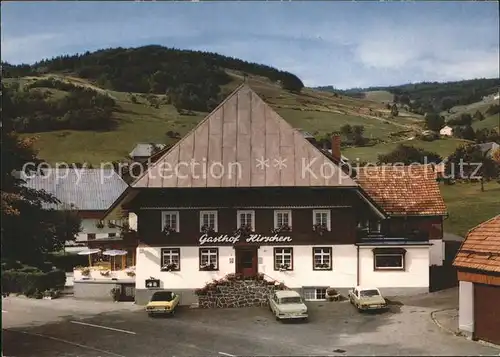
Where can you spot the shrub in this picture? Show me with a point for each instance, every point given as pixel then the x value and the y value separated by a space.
pixel 67 262
pixel 115 293
pixel 28 281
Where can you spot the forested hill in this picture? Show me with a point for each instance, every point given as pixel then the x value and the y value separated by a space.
pixel 191 79
pixel 431 96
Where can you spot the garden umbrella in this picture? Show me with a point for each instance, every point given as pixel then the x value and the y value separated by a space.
pixel 114 253
pixel 89 252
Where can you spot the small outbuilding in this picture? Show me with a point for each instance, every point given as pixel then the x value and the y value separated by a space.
pixel 478 265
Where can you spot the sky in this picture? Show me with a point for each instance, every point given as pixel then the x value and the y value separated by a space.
pixel 344 44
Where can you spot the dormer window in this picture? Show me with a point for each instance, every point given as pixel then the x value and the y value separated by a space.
pixel 371 226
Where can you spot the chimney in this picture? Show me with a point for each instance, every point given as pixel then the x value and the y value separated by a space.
pixel 336 147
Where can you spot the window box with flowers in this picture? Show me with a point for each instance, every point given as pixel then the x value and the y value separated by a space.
pixel 208 267
pixel 170 267
pixel 168 230
pixel 320 229
pixel 284 267
pixel 206 229
pixel 106 273
pixel 284 228
pixel 245 230
pixel 85 272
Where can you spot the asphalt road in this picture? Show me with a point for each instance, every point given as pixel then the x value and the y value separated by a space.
pixel 334 329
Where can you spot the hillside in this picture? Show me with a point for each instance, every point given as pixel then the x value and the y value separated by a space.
pixel 84 110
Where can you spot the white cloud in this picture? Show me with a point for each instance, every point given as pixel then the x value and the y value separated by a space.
pixel 29 48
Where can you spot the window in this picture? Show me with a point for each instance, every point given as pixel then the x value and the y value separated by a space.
pixel 170 259
pixel 171 219
pixel 111 235
pixel 282 218
pixel 389 258
pixel 322 217
pixel 209 259
pixel 90 236
pixel 283 258
pixel 373 226
pixel 322 258
pixel 208 219
pixel 315 294
pixel 246 218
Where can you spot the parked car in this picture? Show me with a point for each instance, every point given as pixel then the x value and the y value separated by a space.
pixel 287 304
pixel 162 302
pixel 367 299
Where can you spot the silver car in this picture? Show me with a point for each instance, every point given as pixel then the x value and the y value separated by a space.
pixel 287 304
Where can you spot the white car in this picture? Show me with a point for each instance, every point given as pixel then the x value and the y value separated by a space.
pixel 365 298
pixel 287 304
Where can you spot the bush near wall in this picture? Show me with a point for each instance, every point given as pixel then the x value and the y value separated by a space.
pixel 67 262
pixel 31 281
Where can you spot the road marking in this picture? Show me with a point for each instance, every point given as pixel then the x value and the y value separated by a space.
pixel 104 327
pixel 226 354
pixel 69 343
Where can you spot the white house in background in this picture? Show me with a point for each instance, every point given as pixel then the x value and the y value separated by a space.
pixel 143 151
pixel 497 96
pixel 310 229
pixel 446 131
pixel 89 191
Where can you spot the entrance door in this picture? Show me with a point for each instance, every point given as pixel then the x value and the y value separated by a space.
pixel 487 313
pixel 246 261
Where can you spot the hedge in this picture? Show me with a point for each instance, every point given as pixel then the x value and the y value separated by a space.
pixel 31 281
pixel 67 262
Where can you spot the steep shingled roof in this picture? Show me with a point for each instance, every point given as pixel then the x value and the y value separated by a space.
pixel 403 190
pixel 85 189
pixel 239 133
pixel 481 248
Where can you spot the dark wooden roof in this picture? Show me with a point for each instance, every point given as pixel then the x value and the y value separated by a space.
pixel 240 131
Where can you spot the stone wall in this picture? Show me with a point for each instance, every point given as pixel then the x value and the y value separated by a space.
pixel 237 293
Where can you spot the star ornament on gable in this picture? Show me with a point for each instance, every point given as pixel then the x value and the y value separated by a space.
pixel 262 163
pixel 280 163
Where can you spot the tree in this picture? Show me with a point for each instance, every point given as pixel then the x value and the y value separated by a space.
pixel 434 121
pixel 394 110
pixel 29 231
pixel 463 119
pixel 469 162
pixel 478 115
pixel 357 134
pixel 346 130
pixel 406 155
pixel 464 132
pixel 292 83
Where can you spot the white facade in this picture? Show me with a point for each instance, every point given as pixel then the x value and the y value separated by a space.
pixel 344 273
pixel 436 252
pixel 415 274
pixel 446 131
pixel 89 226
pixel 466 307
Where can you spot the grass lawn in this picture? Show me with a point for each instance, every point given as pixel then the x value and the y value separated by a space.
pixel 138 121
pixel 493 121
pixel 381 96
pixel 324 122
pixel 443 147
pixel 468 206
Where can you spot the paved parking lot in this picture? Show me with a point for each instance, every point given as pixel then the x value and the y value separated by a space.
pixel 334 328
